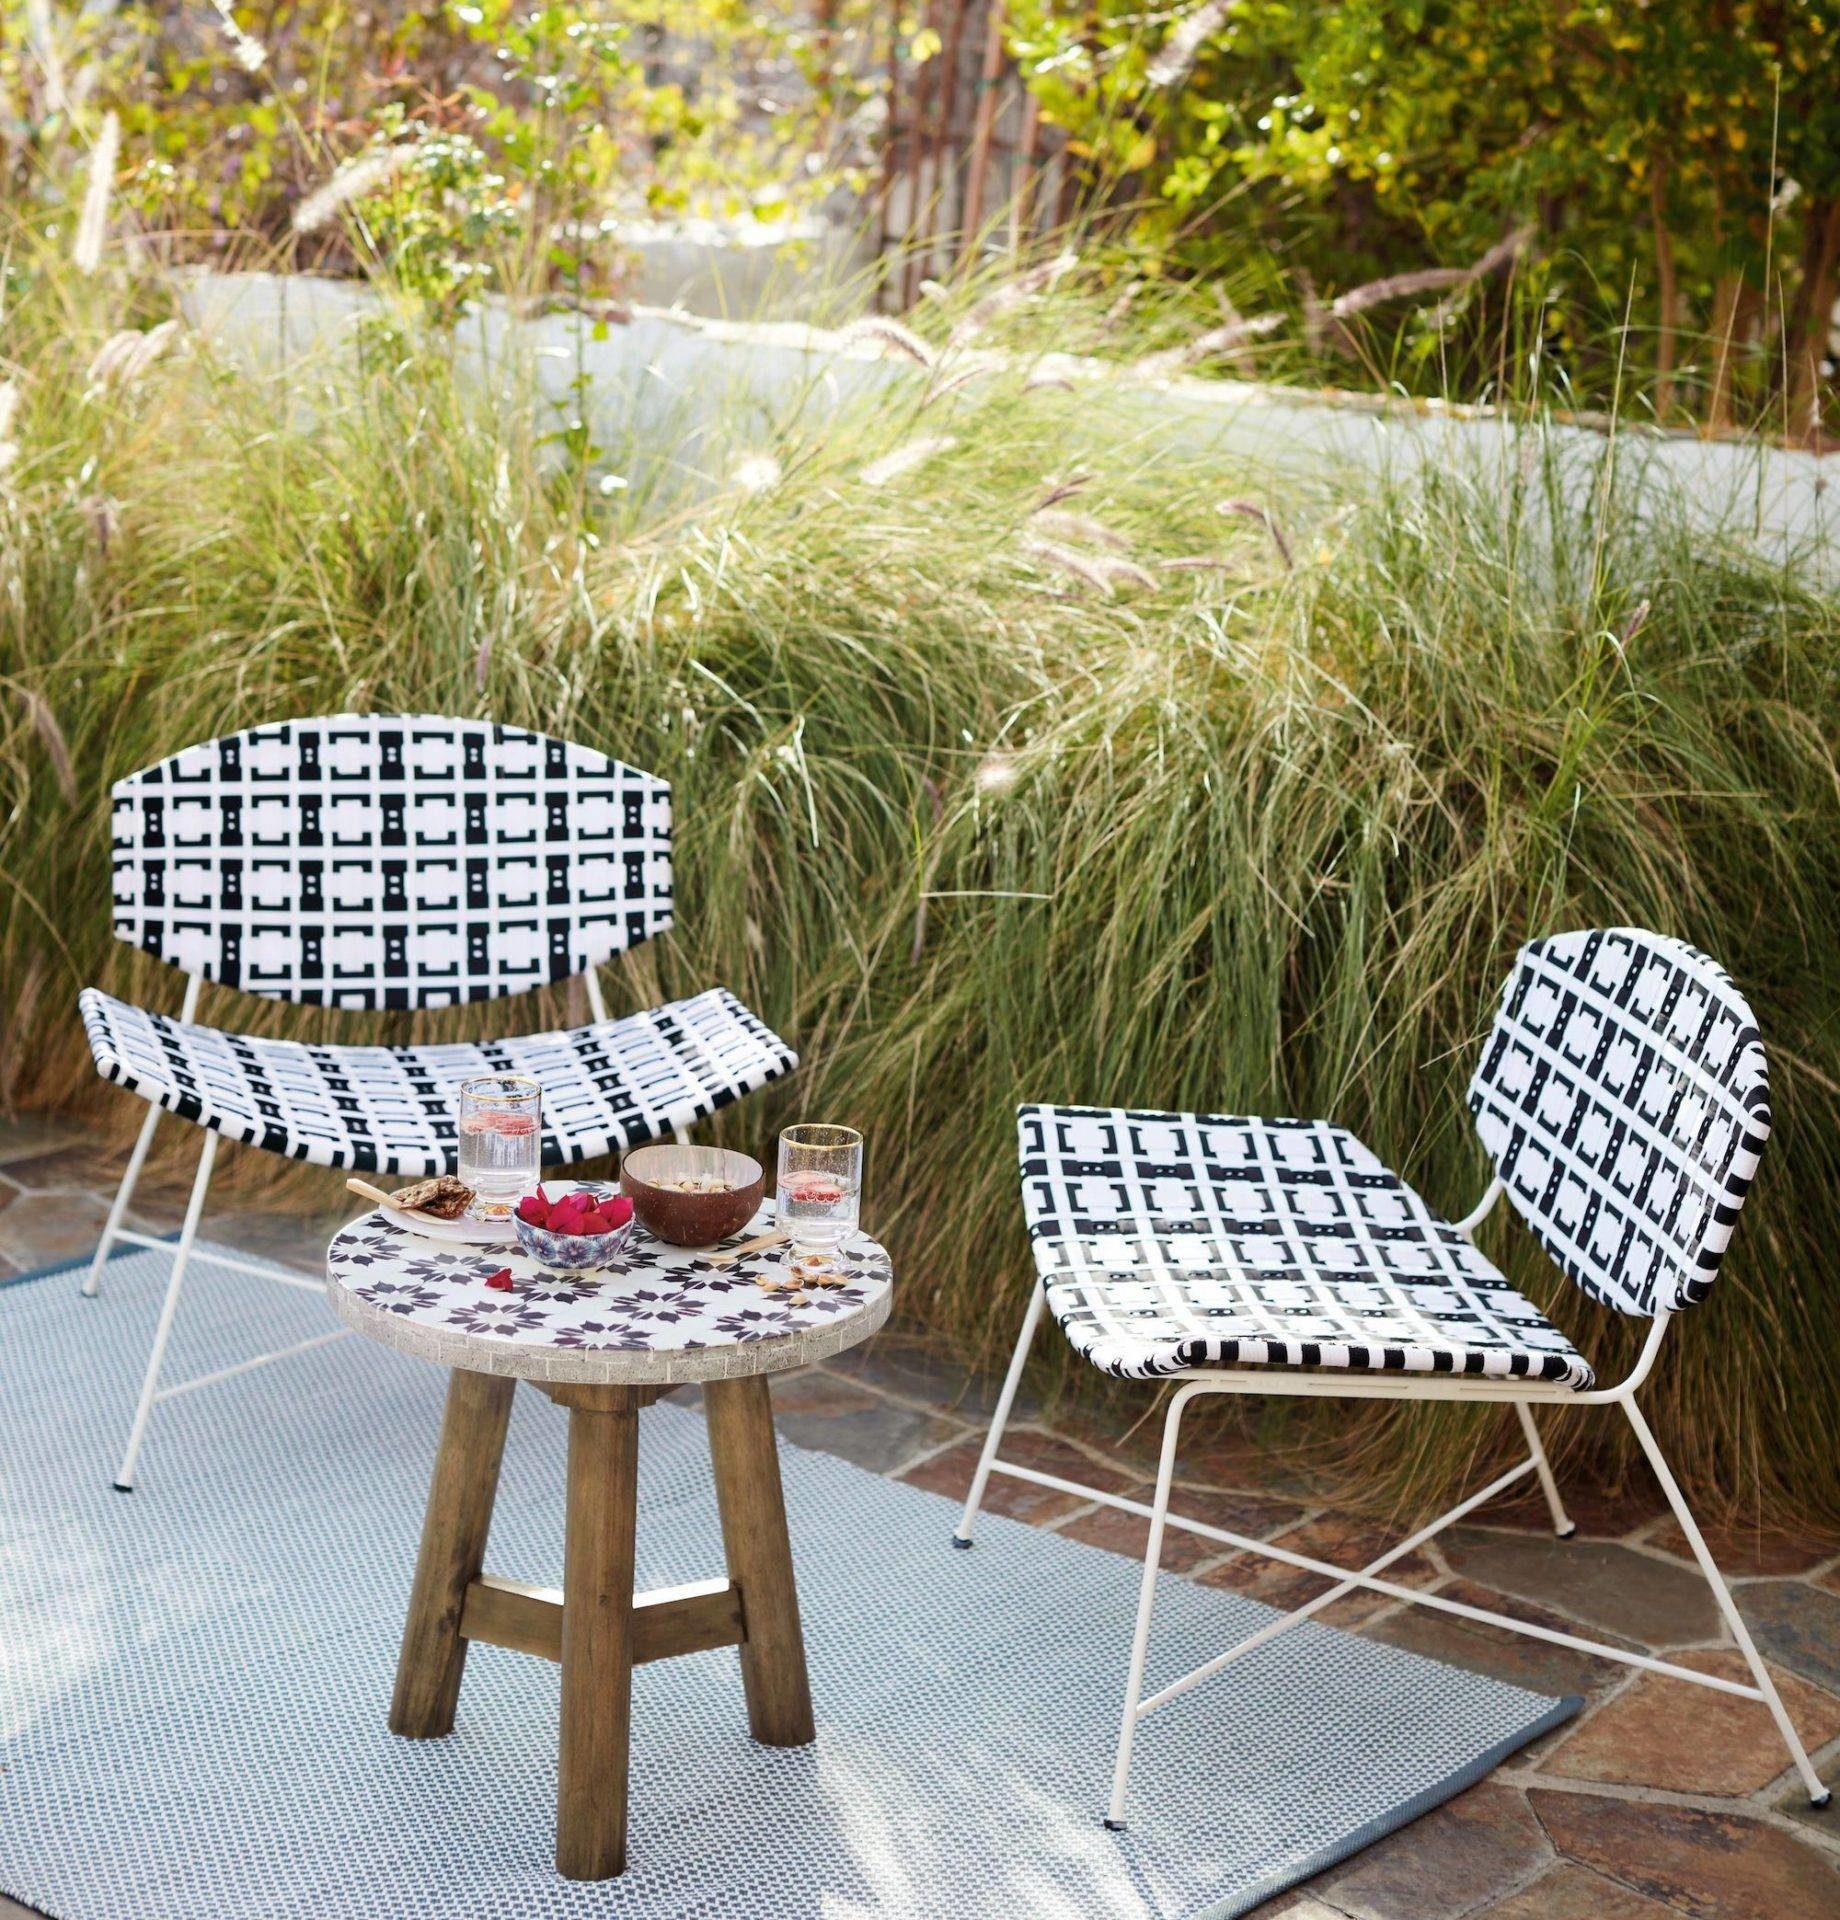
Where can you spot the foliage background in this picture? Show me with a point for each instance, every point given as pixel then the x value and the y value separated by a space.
pixel 519 135
pixel 1670 169
pixel 1018 753
pixel 1675 164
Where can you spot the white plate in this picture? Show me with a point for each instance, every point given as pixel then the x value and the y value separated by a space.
pixel 465 1232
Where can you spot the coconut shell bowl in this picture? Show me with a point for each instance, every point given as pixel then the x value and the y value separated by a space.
pixel 691 1196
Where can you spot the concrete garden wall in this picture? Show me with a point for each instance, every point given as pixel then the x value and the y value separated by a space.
pixel 663 382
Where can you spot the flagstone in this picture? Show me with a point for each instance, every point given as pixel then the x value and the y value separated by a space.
pixel 1346 1540
pixel 1635 1739
pixel 1595 1582
pixel 815 1408
pixel 1538 1665
pixel 1709 1866
pixel 1127 1533
pixel 1477 1847
pixel 950 1473
pixel 1575 1893
pixel 1796 1623
pixel 1748 1552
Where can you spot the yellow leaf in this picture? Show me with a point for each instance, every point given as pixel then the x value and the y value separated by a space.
pixel 924 45
pixel 1143 151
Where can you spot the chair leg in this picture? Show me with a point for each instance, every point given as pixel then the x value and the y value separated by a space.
pixel 1818 1794
pixel 1000 1419
pixel 1563 1524
pixel 92 1281
pixel 124 1480
pixel 1146 1604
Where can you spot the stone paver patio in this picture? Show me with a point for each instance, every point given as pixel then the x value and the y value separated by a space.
pixel 1659 1799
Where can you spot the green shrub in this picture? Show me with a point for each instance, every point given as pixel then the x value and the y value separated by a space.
pixel 1676 170
pixel 1129 800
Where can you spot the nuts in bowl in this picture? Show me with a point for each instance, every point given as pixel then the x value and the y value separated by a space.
pixel 575 1231
pixel 691 1196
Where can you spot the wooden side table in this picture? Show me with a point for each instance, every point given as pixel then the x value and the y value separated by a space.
pixel 601 1346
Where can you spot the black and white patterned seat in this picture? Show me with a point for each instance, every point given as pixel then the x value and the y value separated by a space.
pixel 1624 1098
pixel 1168 1242
pixel 615 1084
pixel 407 861
pixel 386 860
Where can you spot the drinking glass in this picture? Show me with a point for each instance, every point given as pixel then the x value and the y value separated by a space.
pixel 820 1186
pixel 501 1139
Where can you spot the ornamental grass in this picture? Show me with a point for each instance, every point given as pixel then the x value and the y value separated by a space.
pixel 1023 749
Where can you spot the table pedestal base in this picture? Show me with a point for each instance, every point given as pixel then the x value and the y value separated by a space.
pixel 597 1627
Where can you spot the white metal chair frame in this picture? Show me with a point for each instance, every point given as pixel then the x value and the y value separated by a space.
pixel 155 923
pixel 1658 982
pixel 1522 1396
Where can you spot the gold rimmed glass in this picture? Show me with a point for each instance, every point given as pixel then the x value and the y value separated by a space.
pixel 819 1192
pixel 501 1139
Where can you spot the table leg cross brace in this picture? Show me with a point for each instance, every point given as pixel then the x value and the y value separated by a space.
pixel 666 1621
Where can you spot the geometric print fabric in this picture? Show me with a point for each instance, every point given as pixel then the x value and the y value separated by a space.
pixel 1623 1096
pixel 392 861
pixel 1174 1241
pixel 607 1086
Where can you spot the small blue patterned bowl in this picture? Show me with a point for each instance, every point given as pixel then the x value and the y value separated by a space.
pixel 573 1252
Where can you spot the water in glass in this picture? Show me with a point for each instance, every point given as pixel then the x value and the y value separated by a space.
pixel 820 1186
pixel 501 1136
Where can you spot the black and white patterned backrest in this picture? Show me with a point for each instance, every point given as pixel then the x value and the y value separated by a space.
pixel 375 860
pixel 1624 1099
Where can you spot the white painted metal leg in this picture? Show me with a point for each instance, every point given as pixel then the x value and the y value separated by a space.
pixel 681 1134
pixel 194 1207
pixel 1329 1596
pixel 1031 1319
pixel 1817 1793
pixel 1563 1524
pixel 1146 1605
pixel 92 1282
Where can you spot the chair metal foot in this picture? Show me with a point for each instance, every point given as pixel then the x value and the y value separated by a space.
pixel 122 1486
pixel 1115 1826
pixel 1821 1799
pixel 1566 1532
pixel 957 1542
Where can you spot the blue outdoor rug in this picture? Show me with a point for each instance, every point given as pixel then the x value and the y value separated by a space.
pixel 194 1678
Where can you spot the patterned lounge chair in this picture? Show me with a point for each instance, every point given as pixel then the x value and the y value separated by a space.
pixel 1622 1099
pixel 373 861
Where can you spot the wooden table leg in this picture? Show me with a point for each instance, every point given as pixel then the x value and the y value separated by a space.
pixel 452 1554
pixel 753 1508
pixel 597 1632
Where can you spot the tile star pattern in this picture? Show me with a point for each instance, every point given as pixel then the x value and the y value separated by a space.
pixel 655 1299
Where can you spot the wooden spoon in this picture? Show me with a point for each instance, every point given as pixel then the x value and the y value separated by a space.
pixel 365 1190
pixel 758 1244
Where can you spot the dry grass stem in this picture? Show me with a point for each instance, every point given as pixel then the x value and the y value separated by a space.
pixel 356 180
pixel 1251 510
pixel 904 459
pixel 1011 294
pixel 889 337
pixel 93 222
